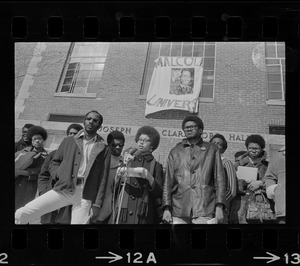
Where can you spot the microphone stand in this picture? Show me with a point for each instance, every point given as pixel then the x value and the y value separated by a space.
pixel 122 192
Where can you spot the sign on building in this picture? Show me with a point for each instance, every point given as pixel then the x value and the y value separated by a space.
pixel 175 84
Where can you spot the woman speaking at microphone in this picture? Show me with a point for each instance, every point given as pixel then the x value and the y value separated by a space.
pixel 138 191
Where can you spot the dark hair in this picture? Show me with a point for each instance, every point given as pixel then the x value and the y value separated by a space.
pixel 115 135
pixel 152 133
pixel 100 116
pixel 224 144
pixel 28 126
pixel 36 130
pixel 195 119
pixel 75 126
pixel 239 153
pixel 258 139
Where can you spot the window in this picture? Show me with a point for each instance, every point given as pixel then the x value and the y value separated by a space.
pixel 184 49
pixel 275 63
pixel 276 130
pixel 84 68
pixel 66 118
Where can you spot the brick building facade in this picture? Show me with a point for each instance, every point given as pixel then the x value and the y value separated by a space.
pixel 239 104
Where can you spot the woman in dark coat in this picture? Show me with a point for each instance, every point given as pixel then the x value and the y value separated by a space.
pixel 28 163
pixel 141 201
pixel 254 157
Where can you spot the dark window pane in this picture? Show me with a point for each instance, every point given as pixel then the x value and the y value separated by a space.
pixel 187 50
pixel 198 50
pixel 70 73
pixel 209 63
pixel 272 61
pixel 209 51
pixel 281 50
pixel 274 95
pixel 165 50
pixel 273 87
pixel 176 50
pixel 65 88
pixel 68 81
pixel 270 51
pixel 206 91
pixel 72 65
pixel 208 73
pixel 274 78
pixel 273 69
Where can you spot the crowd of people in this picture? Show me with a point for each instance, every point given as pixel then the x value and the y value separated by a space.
pixel 89 180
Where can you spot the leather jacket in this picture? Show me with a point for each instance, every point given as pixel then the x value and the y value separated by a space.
pixel 195 180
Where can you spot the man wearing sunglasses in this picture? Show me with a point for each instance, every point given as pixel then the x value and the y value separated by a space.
pixel 116 142
pixel 194 187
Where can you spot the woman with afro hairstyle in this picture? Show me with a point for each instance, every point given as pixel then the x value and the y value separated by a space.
pixel 28 163
pixel 254 157
pixel 139 202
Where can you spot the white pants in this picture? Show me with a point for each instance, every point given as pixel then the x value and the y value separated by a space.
pixel 53 200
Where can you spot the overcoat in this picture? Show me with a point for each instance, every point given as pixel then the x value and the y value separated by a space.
pixel 141 203
pixel 239 203
pixel 194 181
pixel 26 186
pixel 46 183
pixel 66 162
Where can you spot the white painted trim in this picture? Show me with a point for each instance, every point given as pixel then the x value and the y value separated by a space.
pixel 275 102
pixel 76 95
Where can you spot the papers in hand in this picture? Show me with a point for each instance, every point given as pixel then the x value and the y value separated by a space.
pixel 135 172
pixel 247 173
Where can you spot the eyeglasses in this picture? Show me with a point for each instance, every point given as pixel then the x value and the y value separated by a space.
pixel 116 145
pixel 254 148
pixel 190 127
pixel 143 140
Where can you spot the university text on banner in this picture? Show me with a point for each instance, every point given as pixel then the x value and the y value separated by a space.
pixel 175 84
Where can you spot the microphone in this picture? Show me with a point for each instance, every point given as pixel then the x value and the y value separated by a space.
pixel 134 152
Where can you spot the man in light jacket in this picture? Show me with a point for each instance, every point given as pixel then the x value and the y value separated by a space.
pixel 275 184
pixel 81 167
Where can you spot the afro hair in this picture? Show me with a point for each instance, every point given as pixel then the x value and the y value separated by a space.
pixel 115 135
pixel 217 135
pixel 152 133
pixel 36 130
pixel 258 139
pixel 75 126
pixel 195 119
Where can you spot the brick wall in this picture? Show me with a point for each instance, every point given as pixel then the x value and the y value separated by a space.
pixel 239 104
pixel 23 55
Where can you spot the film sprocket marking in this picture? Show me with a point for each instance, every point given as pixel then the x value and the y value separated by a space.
pixel 164 243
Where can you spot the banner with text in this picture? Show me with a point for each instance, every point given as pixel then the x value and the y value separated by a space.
pixel 175 84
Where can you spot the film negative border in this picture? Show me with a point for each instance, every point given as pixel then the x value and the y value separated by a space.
pixel 148 21
pixel 161 244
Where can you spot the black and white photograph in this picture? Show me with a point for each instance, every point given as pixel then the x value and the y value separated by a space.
pixel 150 133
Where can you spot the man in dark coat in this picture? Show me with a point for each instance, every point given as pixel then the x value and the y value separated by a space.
pixel 23 142
pixel 46 183
pixel 194 187
pixel 81 167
